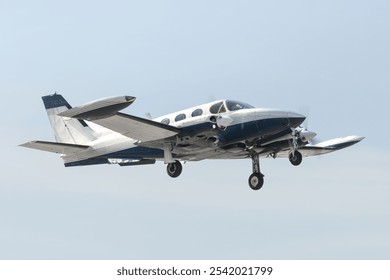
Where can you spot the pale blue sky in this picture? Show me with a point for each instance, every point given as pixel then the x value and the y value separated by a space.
pixel 326 58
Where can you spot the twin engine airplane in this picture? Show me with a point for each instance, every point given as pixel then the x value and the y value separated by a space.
pixel 223 129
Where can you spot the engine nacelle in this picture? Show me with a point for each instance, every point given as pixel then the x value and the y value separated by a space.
pixel 224 121
pixel 221 121
pixel 306 135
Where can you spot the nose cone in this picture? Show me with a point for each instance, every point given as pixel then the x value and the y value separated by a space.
pixel 295 119
pixel 272 121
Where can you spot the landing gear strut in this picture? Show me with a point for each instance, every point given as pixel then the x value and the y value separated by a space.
pixel 256 180
pixel 295 157
pixel 174 169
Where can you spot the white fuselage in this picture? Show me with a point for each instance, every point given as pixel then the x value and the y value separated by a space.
pixel 110 142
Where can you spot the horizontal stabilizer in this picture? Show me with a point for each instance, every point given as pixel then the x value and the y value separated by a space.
pixel 55 147
pixel 99 109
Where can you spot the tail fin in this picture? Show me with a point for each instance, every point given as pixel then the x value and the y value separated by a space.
pixel 66 130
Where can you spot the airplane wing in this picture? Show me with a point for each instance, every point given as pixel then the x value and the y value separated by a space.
pixel 138 128
pixel 55 147
pixel 325 147
pixel 104 112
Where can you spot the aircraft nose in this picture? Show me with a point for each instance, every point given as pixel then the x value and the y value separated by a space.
pixel 272 121
pixel 295 119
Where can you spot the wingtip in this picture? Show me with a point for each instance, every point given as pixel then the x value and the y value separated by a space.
pixel 25 145
pixel 99 109
pixel 358 138
pixel 130 98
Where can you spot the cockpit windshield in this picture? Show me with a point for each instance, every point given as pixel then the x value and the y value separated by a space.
pixel 237 105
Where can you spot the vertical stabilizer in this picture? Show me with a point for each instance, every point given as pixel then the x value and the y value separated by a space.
pixel 66 130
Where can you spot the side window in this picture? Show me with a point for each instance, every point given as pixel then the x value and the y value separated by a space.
pixel 180 117
pixel 165 121
pixel 217 108
pixel 197 112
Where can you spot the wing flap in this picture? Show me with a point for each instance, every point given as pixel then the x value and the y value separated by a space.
pixel 55 147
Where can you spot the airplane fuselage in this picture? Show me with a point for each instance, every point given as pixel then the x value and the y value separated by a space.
pixel 221 127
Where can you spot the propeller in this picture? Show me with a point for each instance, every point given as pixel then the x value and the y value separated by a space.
pixel 300 134
pixel 305 134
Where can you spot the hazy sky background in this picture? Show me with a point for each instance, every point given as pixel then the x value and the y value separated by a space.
pixel 326 58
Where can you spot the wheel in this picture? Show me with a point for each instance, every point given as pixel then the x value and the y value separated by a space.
pixel 295 159
pixel 174 169
pixel 256 181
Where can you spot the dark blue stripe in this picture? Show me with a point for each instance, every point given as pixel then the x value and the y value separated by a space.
pixel 137 153
pixel 55 101
pixel 254 130
pixel 342 145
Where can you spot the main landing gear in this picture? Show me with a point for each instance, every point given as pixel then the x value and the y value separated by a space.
pixel 174 169
pixel 256 180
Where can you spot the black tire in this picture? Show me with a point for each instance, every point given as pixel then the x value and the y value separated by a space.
pixel 295 159
pixel 256 181
pixel 174 169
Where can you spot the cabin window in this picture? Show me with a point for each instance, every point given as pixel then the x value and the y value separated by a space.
pixel 165 121
pixel 180 117
pixel 197 112
pixel 217 108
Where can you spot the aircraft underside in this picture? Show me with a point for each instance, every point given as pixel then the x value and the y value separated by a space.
pixel 294 149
